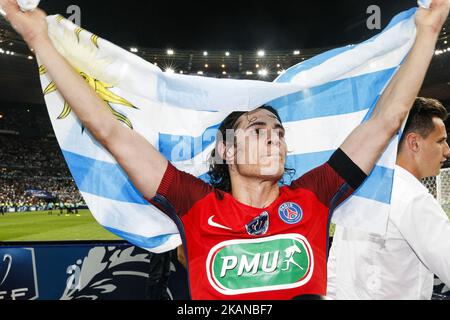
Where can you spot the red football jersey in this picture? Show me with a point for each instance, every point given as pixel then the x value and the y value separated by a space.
pixel 235 251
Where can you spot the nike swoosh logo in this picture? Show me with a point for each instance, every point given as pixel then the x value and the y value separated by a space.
pixel 214 224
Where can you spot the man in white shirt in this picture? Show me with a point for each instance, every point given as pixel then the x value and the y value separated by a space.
pixel 401 264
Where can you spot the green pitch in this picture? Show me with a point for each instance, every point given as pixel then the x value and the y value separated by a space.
pixel 41 226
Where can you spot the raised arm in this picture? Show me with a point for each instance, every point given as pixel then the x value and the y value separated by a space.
pixel 367 142
pixel 144 165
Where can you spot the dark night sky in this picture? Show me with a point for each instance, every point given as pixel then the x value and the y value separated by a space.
pixel 243 25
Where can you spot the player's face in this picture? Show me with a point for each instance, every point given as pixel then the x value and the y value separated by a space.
pixel 260 145
pixel 434 151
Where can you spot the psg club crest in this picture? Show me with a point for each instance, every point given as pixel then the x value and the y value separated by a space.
pixel 290 212
pixel 259 225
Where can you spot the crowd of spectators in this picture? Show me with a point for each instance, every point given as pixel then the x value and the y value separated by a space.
pixel 33 173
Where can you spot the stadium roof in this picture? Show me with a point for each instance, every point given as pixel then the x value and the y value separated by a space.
pixel 230 25
pixel 221 42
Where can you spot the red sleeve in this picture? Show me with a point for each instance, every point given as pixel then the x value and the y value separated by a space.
pixel 182 190
pixel 334 181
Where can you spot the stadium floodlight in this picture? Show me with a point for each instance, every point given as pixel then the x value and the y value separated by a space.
pixel 278 65
pixel 296 52
pixel 205 53
pixel 169 70
pixel 224 72
pixel 200 72
pixel 181 71
pixel 445 42
pixel 223 66
pixel 1 116
pixel 261 53
pixel 263 72
pixel 248 73
pixel 133 49
pixel 170 52
pixel 227 54
pixel 30 57
pixel 257 65
pixel 206 65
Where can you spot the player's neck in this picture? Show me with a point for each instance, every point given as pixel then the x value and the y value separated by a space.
pixel 254 192
pixel 407 162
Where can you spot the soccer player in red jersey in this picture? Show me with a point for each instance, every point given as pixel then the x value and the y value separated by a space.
pixel 247 237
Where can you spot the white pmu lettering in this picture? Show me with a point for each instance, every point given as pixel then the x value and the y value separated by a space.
pixel 229 263
pixel 374 21
pixel 76 14
pixel 265 264
pixel 251 267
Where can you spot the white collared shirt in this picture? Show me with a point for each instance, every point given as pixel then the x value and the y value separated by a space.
pixel 401 264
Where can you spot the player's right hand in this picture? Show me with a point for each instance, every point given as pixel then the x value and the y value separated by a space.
pixel 31 25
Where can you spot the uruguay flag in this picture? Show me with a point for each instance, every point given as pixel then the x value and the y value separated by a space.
pixel 320 101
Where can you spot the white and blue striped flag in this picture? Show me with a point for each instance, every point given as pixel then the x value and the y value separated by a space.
pixel 320 101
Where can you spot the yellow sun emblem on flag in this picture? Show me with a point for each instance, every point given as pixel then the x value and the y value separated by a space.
pixel 100 88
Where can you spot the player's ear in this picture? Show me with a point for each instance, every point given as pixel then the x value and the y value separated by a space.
pixel 413 141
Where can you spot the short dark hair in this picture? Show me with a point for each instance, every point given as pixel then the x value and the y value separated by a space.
pixel 218 171
pixel 420 119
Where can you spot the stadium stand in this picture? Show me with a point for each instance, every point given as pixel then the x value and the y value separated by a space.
pixel 33 172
